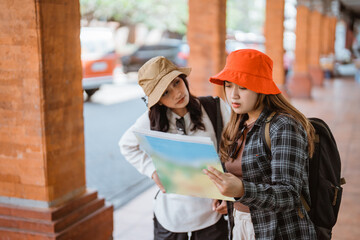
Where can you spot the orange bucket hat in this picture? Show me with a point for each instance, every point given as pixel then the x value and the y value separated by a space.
pixel 248 68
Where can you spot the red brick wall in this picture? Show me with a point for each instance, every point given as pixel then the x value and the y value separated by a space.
pixel 325 32
pixel 333 22
pixel 63 99
pixel 41 121
pixel 315 38
pixel 328 32
pixel 299 84
pixel 22 172
pixel 274 32
pixel 302 34
pixel 206 37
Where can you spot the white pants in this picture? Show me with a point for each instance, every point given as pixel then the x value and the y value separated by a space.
pixel 243 227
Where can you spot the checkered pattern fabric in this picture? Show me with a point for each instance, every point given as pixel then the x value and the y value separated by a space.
pixel 273 186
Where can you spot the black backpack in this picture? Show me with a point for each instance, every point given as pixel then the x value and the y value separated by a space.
pixel 212 108
pixel 324 177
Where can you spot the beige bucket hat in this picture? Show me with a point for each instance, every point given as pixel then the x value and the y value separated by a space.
pixel 156 75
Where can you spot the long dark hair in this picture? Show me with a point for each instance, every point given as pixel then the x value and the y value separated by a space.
pixel 158 118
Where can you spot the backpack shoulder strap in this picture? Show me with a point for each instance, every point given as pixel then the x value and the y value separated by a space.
pixel 208 103
pixel 219 121
pixel 214 114
pixel 265 135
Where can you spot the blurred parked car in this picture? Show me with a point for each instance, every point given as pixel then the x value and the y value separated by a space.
pixel 98 57
pixel 175 50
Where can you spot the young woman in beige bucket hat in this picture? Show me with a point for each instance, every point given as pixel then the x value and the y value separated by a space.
pixel 172 108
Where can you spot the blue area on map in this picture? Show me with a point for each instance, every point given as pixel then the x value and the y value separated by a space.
pixel 182 151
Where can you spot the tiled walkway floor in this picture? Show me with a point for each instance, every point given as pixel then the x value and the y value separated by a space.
pixel 134 220
pixel 338 103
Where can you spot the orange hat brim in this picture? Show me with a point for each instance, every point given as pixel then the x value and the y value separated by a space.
pixel 255 83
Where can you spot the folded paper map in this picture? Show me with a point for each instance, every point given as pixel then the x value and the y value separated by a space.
pixel 179 161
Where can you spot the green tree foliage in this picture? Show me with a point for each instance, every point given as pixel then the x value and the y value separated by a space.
pixel 162 14
pixel 172 15
pixel 246 16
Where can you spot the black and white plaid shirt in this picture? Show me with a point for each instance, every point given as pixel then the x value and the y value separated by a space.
pixel 273 187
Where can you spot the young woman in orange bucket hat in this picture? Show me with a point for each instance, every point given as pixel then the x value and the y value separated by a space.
pixel 267 183
pixel 173 109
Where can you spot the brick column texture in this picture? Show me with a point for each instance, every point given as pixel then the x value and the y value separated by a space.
pixel 325 32
pixel 42 163
pixel 302 37
pixel 206 37
pixel 315 42
pixel 299 83
pixel 333 22
pixel 42 140
pixel 274 32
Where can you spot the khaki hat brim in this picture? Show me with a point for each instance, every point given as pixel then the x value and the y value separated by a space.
pixel 160 88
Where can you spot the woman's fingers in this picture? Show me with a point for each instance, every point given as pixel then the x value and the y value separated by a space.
pixel 215 204
pixel 218 178
pixel 219 206
pixel 222 208
pixel 156 179
pixel 211 171
pixel 216 172
pixel 227 183
pixel 215 178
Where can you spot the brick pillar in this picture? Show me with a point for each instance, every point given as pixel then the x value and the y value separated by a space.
pixel 328 32
pixel 325 32
pixel 299 83
pixel 315 40
pixel 349 37
pixel 331 10
pixel 42 168
pixel 274 32
pixel 206 37
pixel 332 35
